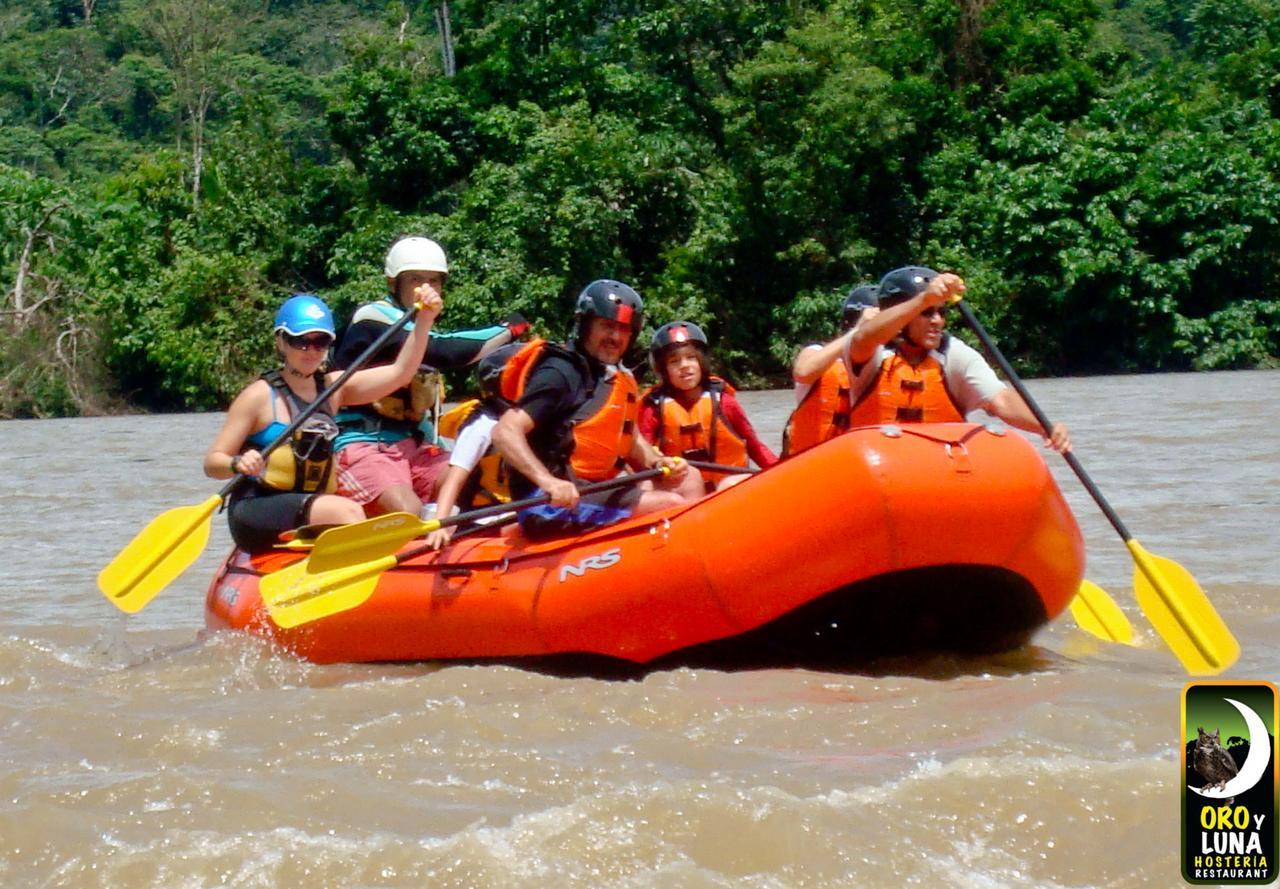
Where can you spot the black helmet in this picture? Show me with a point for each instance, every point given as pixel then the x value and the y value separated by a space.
pixel 674 333
pixel 902 284
pixel 608 299
pixel 866 296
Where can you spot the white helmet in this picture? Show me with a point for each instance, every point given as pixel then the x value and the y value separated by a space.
pixel 415 255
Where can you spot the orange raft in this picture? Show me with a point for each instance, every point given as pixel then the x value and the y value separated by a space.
pixel 884 541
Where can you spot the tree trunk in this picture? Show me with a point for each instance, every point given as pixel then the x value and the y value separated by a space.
pixel 446 39
pixel 198 114
pixel 21 311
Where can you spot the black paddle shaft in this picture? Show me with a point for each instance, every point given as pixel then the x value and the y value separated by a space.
pixel 1018 386
pixel 498 509
pixel 722 467
pixel 333 387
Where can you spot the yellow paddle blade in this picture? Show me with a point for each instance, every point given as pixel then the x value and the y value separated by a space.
pixel 1182 614
pixel 296 596
pixel 365 541
pixel 157 555
pixel 1097 613
pixel 296 543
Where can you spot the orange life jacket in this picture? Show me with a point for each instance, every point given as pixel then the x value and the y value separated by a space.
pixel 822 414
pixel 906 393
pixel 698 433
pixel 598 436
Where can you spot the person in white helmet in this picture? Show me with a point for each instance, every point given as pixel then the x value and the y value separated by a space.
pixel 293 484
pixel 384 462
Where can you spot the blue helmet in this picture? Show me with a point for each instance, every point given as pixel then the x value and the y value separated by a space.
pixel 304 313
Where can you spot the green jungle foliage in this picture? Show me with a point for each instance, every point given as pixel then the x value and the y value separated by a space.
pixel 1105 175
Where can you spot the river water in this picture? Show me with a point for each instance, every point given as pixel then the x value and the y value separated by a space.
pixel 147 752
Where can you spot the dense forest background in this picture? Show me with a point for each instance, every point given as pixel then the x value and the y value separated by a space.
pixel 1106 175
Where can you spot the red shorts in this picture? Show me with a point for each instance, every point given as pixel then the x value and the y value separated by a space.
pixel 366 469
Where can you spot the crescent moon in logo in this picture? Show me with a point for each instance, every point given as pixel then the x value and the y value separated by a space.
pixel 1255 764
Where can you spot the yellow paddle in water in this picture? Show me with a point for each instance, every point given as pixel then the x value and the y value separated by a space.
pixel 1097 613
pixel 1167 593
pixel 346 562
pixel 173 540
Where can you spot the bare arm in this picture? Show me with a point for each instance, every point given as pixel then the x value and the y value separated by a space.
pixel 812 363
pixel 371 383
pixel 242 417
pixel 454 478
pixel 873 331
pixel 1009 406
pixel 511 438
pixel 645 456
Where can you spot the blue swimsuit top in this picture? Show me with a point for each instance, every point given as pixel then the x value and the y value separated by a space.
pixel 267 434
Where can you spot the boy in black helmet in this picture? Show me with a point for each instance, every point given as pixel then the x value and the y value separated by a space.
pixel 575 410
pixel 915 372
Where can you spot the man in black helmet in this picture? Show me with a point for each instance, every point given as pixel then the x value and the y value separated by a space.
pixel 823 387
pixel 575 410
pixel 909 370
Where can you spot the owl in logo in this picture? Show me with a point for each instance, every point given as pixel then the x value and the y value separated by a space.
pixel 1212 760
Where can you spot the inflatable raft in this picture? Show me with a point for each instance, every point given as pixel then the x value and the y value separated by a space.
pixel 884 541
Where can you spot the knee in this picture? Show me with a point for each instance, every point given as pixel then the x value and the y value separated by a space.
pixel 350 511
pixel 332 509
pixel 653 501
pixel 400 499
pixel 692 486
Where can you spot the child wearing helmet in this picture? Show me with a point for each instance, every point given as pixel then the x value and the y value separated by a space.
pixel 695 415
pixel 385 461
pixel 294 484
pixel 823 388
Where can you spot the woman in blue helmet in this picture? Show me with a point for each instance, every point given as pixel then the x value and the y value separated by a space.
pixel 294 485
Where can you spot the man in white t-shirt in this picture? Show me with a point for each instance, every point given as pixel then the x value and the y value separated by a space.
pixel 909 370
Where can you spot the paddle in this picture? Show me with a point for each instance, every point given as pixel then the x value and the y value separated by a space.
pixel 173 540
pixel 722 467
pixel 1097 613
pixel 1167 593
pixel 346 563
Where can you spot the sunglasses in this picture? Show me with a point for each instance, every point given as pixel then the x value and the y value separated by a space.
pixel 935 311
pixel 316 342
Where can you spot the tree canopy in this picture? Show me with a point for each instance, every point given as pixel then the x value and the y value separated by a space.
pixel 1106 175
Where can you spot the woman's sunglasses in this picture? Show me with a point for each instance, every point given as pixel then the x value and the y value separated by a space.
pixel 316 342
pixel 939 311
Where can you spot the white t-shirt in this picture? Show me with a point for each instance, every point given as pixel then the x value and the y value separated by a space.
pixel 472 442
